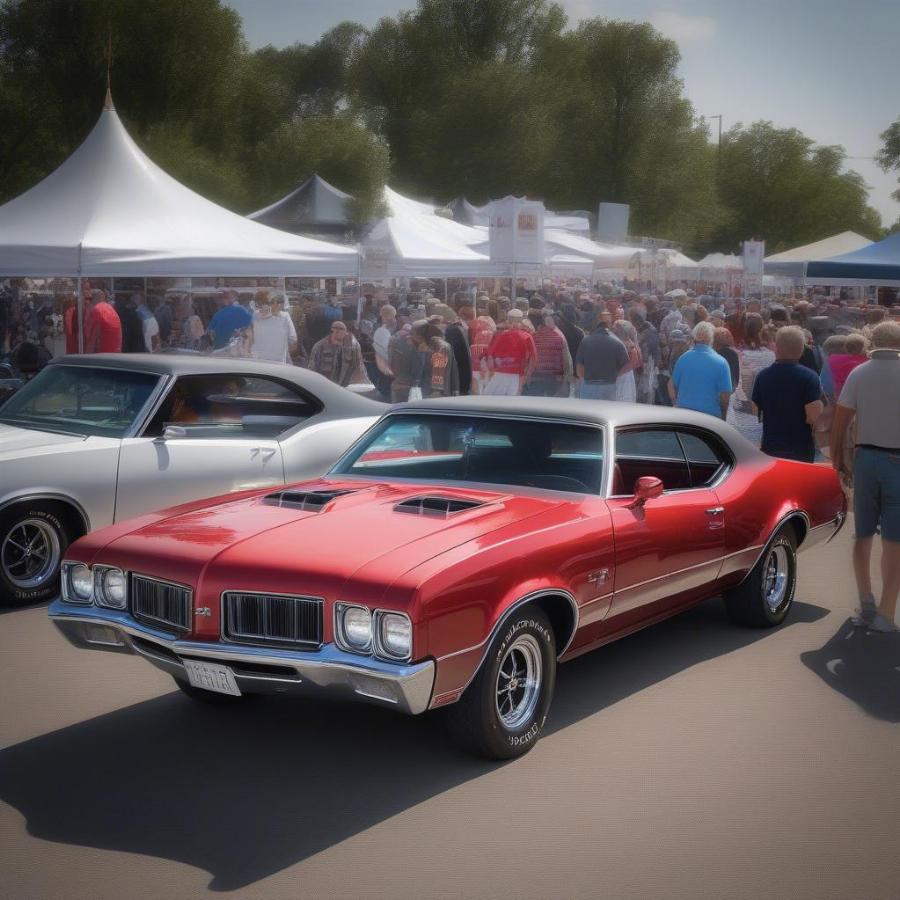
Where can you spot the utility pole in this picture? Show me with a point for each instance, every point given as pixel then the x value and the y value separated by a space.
pixel 719 150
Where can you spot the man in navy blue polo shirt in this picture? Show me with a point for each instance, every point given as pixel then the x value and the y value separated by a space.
pixel 701 379
pixel 788 398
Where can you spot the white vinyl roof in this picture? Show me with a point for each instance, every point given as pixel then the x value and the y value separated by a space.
pixel 721 261
pixel 845 242
pixel 413 241
pixel 108 210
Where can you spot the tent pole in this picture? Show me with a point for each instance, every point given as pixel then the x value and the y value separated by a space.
pixel 79 313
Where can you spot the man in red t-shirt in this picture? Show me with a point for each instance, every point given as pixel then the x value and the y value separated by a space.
pixel 510 358
pixel 103 331
pixel 70 319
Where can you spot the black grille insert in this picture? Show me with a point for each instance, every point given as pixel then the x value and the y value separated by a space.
pixel 272 619
pixel 161 603
pixel 312 501
pixel 436 506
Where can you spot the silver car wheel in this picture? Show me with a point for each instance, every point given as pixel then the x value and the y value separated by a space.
pixel 518 687
pixel 775 577
pixel 30 553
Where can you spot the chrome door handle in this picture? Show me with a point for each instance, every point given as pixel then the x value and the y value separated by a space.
pixel 715 511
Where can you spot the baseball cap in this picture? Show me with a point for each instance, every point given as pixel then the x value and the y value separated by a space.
pixel 515 314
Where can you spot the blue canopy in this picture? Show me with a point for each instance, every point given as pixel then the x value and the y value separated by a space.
pixel 875 264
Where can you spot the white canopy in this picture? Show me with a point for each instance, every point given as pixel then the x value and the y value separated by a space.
pixel 792 263
pixel 720 262
pixel 605 256
pixel 413 241
pixel 109 211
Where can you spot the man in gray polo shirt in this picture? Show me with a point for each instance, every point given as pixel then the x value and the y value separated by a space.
pixel 598 361
pixel 872 394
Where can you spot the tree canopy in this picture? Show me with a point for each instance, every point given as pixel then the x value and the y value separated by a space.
pixel 453 98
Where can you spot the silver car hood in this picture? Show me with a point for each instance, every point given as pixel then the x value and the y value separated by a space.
pixel 18 441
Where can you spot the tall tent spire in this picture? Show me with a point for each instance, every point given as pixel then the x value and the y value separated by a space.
pixel 108 102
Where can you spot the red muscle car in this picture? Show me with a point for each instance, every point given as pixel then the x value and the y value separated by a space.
pixel 455 554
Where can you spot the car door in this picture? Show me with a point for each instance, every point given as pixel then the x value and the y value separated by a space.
pixel 211 435
pixel 669 549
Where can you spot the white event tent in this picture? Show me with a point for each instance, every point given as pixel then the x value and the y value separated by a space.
pixel 413 241
pixel 109 211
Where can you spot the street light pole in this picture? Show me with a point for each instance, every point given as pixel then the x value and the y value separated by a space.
pixel 719 150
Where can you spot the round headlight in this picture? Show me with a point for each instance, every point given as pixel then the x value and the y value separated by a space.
pixel 357 627
pixel 112 588
pixel 81 581
pixel 395 635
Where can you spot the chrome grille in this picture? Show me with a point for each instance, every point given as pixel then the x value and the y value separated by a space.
pixel 272 619
pixel 160 603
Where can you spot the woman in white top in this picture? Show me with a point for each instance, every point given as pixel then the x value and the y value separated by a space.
pixel 626 386
pixel 754 357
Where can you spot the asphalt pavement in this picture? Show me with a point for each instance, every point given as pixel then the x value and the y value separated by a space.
pixel 691 760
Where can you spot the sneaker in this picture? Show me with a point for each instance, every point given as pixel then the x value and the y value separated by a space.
pixel 882 625
pixel 865 614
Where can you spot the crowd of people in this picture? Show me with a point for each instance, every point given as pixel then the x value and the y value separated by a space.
pixel 798 377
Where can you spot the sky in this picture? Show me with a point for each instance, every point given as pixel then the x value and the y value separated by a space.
pixel 827 67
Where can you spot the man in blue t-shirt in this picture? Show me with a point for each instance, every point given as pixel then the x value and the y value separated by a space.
pixel 787 396
pixel 230 318
pixel 701 379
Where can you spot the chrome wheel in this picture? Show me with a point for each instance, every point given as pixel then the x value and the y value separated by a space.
pixel 518 685
pixel 30 553
pixel 776 577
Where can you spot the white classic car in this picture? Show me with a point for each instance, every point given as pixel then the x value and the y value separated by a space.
pixel 95 439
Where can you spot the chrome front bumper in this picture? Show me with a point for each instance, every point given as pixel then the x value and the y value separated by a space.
pixel 258 670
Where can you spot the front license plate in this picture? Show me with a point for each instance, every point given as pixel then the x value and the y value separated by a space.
pixel 212 677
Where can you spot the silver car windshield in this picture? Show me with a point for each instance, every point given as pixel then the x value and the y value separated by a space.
pixel 80 400
pixel 528 453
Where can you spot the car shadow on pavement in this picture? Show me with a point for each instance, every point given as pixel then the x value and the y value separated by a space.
pixel 864 666
pixel 245 793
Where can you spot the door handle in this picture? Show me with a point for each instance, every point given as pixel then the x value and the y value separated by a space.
pixel 266 452
pixel 715 511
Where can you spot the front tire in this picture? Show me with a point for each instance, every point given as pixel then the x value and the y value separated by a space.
pixel 764 598
pixel 502 713
pixel 33 539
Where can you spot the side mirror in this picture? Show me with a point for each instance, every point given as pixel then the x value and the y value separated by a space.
pixel 173 432
pixel 647 487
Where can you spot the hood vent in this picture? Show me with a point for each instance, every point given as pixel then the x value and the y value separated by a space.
pixel 309 501
pixel 436 506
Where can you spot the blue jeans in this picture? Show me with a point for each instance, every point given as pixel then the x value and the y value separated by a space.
pixel 594 391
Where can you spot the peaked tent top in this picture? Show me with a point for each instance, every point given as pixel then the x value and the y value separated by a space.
pixel 845 242
pixel 314 203
pixel 108 210
pixel 720 261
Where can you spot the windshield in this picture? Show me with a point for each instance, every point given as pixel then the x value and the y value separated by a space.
pixel 80 400
pixel 555 456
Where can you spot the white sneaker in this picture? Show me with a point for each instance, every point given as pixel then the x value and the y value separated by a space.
pixel 882 625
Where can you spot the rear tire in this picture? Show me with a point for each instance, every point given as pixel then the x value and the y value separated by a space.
pixel 33 540
pixel 502 713
pixel 763 599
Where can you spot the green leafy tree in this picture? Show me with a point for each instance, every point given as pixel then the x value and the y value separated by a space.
pixel 174 62
pixel 777 183
pixel 488 134
pixel 338 148
pixel 888 156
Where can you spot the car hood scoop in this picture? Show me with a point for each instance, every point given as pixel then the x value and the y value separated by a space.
pixel 309 501
pixel 436 505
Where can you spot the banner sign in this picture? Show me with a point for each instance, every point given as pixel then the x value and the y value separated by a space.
pixel 753 256
pixel 516 229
